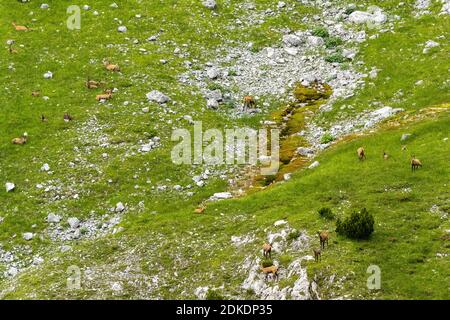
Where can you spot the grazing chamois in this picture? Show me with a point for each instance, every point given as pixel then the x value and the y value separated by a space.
pixel 267 250
pixel 270 270
pixel 105 96
pixel 385 156
pixel 92 84
pixel 415 163
pixel 200 209
pixel 67 117
pixel 20 28
pixel 44 118
pixel 35 94
pixel 249 102
pixel 111 67
pixel 11 49
pixel 317 255
pixel 323 237
pixel 21 141
pixel 361 153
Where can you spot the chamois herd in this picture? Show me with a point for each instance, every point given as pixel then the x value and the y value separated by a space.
pixel 273 270
pixel 324 235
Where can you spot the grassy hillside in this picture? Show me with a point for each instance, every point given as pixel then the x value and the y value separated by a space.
pixel 157 247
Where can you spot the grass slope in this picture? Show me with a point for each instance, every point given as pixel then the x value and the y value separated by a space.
pixel 153 243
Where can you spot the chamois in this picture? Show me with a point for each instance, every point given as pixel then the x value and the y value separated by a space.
pixel 249 101
pixel 415 163
pixel 35 93
pixel 20 28
pixel 317 255
pixel 385 156
pixel 11 49
pixel 44 118
pixel 105 96
pixel 272 269
pixel 22 140
pixel 200 209
pixel 67 117
pixel 361 153
pixel 267 250
pixel 92 84
pixel 323 237
pixel 111 67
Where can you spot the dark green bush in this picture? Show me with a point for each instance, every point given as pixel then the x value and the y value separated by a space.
pixel 321 32
pixel 333 42
pixel 326 213
pixel 359 225
pixel 335 57
pixel 326 138
pixel 214 295
pixel 267 263
pixel 293 235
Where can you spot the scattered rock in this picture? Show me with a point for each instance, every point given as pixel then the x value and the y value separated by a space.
pixel 315 164
pixel 405 136
pixel 73 222
pixel 10 186
pixel 122 29
pixel 27 236
pixel 120 207
pixel 53 218
pixel 157 96
pixel 48 75
pixel 221 196
pixel 209 4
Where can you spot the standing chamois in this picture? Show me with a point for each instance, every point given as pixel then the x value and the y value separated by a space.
pixel 415 163
pixel 249 102
pixel 267 250
pixel 361 153
pixel 317 255
pixel 323 237
pixel 270 270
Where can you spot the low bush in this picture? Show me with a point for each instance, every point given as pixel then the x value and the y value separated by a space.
pixel 359 225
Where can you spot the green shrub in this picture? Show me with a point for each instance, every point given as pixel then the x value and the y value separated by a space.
pixel 349 11
pixel 359 225
pixel 321 32
pixel 267 263
pixel 333 42
pixel 293 235
pixel 326 213
pixel 335 57
pixel 214 295
pixel 326 138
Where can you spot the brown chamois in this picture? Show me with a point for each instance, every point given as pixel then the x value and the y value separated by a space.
pixel 200 209
pixel 317 255
pixel 21 141
pixel 67 117
pixel 35 93
pixel 20 28
pixel 415 163
pixel 267 250
pixel 92 84
pixel 11 49
pixel 249 102
pixel 385 155
pixel 361 153
pixel 105 96
pixel 323 237
pixel 111 67
pixel 270 270
pixel 44 118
